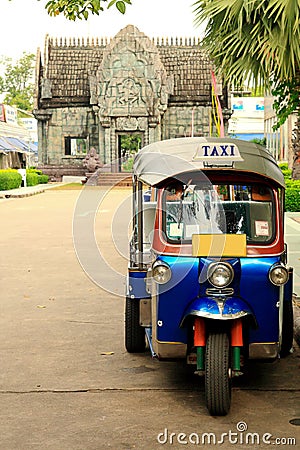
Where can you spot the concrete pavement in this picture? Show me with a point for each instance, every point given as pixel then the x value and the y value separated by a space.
pixel 66 381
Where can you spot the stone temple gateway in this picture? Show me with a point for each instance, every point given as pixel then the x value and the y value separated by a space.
pixel 90 93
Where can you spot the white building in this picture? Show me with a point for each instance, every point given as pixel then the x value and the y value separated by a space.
pixel 18 142
pixel 247 120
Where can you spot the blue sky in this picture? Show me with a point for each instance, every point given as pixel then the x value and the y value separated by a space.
pixel 24 23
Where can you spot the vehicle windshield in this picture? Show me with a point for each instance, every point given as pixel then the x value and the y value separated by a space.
pixel 213 209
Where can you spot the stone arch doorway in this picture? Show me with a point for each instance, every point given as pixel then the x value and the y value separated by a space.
pixel 128 144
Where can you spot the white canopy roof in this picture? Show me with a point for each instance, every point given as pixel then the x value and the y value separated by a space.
pixel 164 159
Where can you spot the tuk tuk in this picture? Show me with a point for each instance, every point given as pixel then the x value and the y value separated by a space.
pixel 208 279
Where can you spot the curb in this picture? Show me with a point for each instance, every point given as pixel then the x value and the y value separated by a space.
pixel 27 191
pixel 7 194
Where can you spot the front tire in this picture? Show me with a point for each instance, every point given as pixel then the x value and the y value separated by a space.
pixel 217 377
pixel 134 334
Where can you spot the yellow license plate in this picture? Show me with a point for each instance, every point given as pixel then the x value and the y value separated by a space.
pixel 223 245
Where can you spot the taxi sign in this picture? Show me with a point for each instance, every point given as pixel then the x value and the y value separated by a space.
pixel 210 151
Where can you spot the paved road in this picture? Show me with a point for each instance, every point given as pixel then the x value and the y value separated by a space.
pixel 66 382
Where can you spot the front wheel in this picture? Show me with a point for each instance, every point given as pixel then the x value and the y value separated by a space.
pixel 134 334
pixel 217 374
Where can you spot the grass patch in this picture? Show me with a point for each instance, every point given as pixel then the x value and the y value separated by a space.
pixel 68 187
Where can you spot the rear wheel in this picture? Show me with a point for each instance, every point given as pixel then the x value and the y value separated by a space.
pixel 287 328
pixel 134 333
pixel 217 376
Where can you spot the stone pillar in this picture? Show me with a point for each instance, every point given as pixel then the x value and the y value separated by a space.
pixel 105 137
pixel 113 148
pixel 42 139
pixel 146 139
pixel 101 137
pixel 43 118
pixel 154 129
pixel 107 145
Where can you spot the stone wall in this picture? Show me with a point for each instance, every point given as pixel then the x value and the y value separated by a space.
pixel 69 122
pixel 183 121
pixel 57 171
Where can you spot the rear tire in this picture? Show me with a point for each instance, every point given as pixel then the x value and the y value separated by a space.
pixel 287 328
pixel 217 378
pixel 134 334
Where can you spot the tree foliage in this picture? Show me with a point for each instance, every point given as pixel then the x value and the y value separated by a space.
pixel 287 100
pixel 255 40
pixel 252 38
pixel 17 81
pixel 131 142
pixel 81 9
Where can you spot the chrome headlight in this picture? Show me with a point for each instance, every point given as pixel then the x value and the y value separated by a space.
pixel 161 272
pixel 278 274
pixel 220 274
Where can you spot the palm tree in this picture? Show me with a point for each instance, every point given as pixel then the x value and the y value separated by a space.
pixel 257 40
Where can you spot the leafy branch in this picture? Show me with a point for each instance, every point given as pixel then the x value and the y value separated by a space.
pixel 287 100
pixel 17 81
pixel 81 9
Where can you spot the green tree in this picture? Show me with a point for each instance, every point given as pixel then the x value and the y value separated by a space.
pixel 17 81
pixel 257 40
pixel 131 142
pixel 81 9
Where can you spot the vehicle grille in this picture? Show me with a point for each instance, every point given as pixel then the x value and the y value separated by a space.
pixel 219 292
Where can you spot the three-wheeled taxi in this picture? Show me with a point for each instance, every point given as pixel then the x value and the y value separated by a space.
pixel 207 278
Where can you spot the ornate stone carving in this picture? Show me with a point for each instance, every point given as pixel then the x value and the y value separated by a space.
pixel 92 162
pixel 153 121
pixel 129 92
pixel 131 123
pixel 105 121
pixel 131 79
pixel 142 123
pixel 126 123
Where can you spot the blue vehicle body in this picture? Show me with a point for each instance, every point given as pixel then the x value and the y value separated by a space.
pixel 254 295
pixel 185 295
